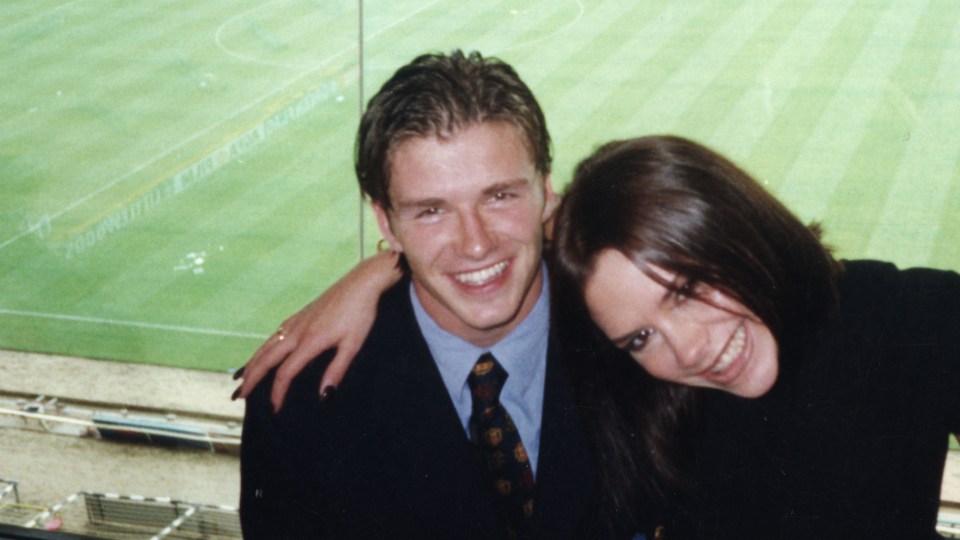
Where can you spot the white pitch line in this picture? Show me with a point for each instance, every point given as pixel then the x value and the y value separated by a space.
pixel 247 58
pixel 136 324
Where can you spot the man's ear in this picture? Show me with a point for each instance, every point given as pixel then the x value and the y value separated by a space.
pixel 386 230
pixel 550 199
pixel 550 203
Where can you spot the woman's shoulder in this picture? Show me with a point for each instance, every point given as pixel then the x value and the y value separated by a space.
pixel 915 297
pixel 870 276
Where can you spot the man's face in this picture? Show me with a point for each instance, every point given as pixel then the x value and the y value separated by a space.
pixel 468 213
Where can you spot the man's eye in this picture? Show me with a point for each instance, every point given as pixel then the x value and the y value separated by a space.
pixel 503 196
pixel 428 212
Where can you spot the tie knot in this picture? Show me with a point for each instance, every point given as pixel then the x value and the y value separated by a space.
pixel 486 380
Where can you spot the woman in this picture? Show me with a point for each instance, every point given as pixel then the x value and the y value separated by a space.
pixel 792 396
pixel 838 382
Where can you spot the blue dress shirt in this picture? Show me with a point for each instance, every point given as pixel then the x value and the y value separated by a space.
pixel 522 353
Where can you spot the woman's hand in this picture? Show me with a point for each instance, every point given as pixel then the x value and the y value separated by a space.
pixel 341 317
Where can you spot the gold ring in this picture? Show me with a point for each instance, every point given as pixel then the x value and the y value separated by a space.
pixel 280 335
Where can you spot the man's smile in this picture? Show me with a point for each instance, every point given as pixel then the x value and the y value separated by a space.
pixel 480 277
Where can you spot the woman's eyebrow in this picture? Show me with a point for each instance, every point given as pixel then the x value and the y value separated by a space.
pixel 620 342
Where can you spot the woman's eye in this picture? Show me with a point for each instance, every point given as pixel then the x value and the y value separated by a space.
pixel 685 290
pixel 638 341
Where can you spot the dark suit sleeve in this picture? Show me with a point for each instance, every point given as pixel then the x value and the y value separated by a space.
pixel 256 512
pixel 278 477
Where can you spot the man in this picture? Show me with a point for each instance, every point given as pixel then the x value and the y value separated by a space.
pixel 423 437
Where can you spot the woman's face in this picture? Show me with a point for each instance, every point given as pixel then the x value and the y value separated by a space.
pixel 704 338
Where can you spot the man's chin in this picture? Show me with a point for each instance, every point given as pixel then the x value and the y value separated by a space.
pixel 487 322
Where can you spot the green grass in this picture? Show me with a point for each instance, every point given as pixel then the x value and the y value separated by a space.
pixel 140 138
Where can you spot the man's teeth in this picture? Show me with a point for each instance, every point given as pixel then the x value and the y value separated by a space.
pixel 480 277
pixel 732 351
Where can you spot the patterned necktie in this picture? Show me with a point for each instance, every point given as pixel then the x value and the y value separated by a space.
pixel 493 430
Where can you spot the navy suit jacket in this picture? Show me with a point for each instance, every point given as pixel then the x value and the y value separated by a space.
pixel 387 457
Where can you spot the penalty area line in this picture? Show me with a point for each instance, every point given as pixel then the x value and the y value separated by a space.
pixel 135 324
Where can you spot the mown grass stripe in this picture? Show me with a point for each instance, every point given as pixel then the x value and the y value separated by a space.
pixel 903 224
pixel 638 49
pixel 751 117
pixel 842 121
pixel 946 249
pixel 673 108
pixel 739 92
pixel 780 145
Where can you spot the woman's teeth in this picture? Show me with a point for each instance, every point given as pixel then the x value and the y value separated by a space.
pixel 733 350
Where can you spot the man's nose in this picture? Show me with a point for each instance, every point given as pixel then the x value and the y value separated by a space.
pixel 475 238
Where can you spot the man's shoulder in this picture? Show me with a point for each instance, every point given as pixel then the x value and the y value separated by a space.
pixel 394 332
pixel 387 337
pixel 395 316
pixel 394 335
pixel 301 397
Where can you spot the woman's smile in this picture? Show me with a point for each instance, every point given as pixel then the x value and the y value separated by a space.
pixel 705 339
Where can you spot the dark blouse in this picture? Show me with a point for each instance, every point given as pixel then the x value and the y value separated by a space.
pixel 851 441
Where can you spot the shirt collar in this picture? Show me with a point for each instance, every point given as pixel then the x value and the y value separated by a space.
pixel 518 352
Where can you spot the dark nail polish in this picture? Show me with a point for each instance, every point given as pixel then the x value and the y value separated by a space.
pixel 239 373
pixel 236 394
pixel 327 392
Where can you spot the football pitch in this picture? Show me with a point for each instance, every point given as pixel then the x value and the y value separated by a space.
pixel 176 177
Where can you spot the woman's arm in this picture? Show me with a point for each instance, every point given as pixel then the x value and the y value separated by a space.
pixel 341 317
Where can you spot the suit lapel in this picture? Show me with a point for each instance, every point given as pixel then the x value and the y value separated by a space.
pixel 436 470
pixel 566 485
pixel 432 459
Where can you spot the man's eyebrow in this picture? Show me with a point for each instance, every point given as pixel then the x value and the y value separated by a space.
pixel 436 201
pixel 419 203
pixel 506 185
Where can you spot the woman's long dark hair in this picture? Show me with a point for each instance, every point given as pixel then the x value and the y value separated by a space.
pixel 673 203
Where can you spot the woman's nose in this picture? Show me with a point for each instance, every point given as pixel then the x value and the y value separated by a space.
pixel 688 338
